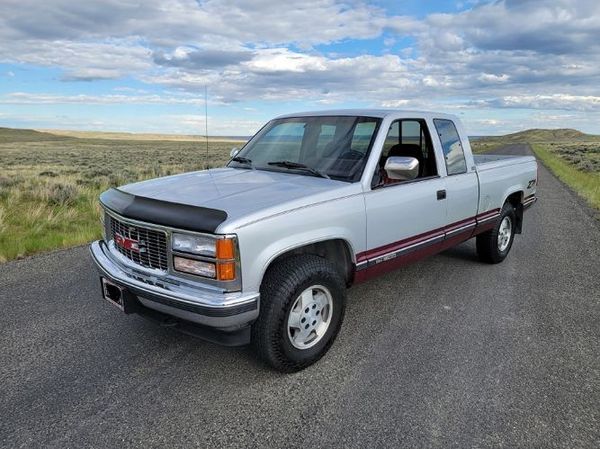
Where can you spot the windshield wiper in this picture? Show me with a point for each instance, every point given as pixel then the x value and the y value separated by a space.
pixel 243 160
pixel 298 166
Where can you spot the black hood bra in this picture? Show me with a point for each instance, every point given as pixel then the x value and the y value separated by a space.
pixel 165 213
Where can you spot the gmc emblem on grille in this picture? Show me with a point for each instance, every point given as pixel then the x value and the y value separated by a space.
pixel 127 243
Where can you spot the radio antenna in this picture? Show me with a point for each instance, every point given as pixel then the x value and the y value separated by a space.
pixel 206 122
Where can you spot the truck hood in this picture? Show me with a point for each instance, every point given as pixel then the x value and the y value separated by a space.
pixel 245 195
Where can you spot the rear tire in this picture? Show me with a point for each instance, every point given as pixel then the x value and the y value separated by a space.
pixel 302 304
pixel 494 245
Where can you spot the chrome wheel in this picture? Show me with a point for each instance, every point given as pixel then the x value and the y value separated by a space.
pixel 504 234
pixel 309 317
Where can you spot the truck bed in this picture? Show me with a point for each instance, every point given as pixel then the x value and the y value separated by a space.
pixel 490 161
pixel 501 175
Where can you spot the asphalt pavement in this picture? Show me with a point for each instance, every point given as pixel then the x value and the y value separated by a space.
pixel 446 353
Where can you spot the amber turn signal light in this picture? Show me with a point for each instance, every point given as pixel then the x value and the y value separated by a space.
pixel 224 249
pixel 226 271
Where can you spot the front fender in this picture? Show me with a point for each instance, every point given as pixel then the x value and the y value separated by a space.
pixel 279 248
pixel 264 241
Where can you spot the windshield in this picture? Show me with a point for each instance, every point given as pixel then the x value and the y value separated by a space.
pixel 330 146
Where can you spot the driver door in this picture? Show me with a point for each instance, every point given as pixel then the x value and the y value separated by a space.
pixel 405 220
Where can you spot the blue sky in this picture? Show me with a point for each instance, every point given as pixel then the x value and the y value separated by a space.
pixel 502 66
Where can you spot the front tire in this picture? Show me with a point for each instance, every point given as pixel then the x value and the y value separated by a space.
pixel 494 245
pixel 302 307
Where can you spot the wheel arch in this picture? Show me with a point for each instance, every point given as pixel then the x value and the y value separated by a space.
pixel 516 200
pixel 339 251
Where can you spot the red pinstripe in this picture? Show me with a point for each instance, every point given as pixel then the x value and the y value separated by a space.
pixel 426 250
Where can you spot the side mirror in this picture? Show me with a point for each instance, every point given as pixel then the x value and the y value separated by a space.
pixel 234 151
pixel 402 168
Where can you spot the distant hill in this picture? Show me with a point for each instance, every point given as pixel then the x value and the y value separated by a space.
pixel 8 135
pixel 544 135
pixel 111 135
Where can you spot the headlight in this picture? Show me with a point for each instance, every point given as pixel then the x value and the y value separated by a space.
pixel 192 266
pixel 194 244
pixel 220 250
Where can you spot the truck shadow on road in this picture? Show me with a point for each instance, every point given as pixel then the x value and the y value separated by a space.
pixel 464 251
pixel 189 355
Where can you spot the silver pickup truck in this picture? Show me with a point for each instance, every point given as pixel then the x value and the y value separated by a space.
pixel 263 250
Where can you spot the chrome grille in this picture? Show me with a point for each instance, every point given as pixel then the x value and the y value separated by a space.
pixel 152 243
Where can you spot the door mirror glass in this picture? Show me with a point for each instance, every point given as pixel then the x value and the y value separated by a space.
pixel 234 151
pixel 402 168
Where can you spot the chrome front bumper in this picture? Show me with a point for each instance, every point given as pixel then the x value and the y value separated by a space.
pixel 180 298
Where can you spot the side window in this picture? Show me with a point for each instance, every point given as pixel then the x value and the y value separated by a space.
pixel 453 150
pixel 408 138
pixel 411 132
pixel 406 132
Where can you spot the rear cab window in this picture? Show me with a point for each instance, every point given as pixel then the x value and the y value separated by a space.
pixel 454 155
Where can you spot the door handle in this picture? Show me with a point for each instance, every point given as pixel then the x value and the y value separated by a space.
pixel 441 194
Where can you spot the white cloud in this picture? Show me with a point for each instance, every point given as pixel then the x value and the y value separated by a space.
pixel 81 60
pixel 169 22
pixel 551 102
pixel 219 127
pixel 23 98
pixel 283 60
pixel 398 104
pixel 541 54
pixel 493 78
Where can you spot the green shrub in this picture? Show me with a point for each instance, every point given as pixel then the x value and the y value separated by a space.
pixel 62 194
pixel 49 174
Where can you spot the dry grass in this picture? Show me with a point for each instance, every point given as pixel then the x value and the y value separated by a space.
pixel 49 185
pixel 577 165
pixel 584 156
pixel 483 146
pixel 574 157
pixel 133 136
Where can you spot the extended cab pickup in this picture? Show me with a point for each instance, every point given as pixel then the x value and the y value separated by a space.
pixel 264 249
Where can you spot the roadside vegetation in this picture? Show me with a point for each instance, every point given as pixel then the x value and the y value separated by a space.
pixel 49 184
pixel 573 156
pixel 577 165
pixel 483 145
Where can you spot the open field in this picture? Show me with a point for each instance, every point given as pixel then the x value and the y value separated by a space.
pixel 49 184
pixel 134 136
pixel 574 157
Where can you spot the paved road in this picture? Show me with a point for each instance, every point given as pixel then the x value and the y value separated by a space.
pixel 445 353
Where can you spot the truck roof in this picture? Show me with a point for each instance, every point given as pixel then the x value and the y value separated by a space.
pixel 379 113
